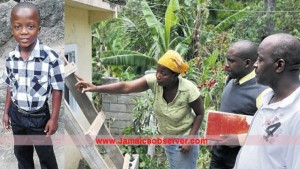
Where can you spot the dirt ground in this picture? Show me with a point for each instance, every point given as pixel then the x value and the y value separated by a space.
pixel 7 158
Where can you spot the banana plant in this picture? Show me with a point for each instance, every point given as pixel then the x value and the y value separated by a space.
pixel 161 36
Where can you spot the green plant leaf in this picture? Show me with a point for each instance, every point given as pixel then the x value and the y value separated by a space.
pixel 170 19
pixel 230 20
pixel 154 25
pixel 129 60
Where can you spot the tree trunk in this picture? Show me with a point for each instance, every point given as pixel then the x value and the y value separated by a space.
pixel 269 7
pixel 194 51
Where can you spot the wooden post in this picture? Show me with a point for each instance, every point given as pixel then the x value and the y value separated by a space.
pixel 91 113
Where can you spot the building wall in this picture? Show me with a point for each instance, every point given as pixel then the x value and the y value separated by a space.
pixel 118 107
pixel 78 31
pixel 79 15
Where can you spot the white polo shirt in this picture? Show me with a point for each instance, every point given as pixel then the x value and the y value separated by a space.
pixel 273 141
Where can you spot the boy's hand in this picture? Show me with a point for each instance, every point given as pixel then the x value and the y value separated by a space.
pixel 83 86
pixel 51 127
pixel 5 122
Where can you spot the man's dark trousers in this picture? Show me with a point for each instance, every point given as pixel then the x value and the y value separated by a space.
pixel 223 157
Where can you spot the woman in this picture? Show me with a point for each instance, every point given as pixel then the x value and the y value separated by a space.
pixel 174 100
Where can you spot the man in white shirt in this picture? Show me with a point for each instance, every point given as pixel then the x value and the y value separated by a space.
pixel 273 141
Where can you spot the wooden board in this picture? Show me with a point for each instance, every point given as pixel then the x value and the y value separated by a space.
pixel 91 113
pixel 96 126
pixel 88 151
pixel 69 69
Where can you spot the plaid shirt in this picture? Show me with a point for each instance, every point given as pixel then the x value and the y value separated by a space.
pixel 32 81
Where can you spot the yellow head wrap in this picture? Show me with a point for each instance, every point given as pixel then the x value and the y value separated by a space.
pixel 172 60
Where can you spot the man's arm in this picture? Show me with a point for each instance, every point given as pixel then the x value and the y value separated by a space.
pixel 52 123
pixel 232 139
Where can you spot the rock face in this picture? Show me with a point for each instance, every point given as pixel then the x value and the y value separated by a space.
pixel 4 22
pixel 52 31
pixel 52 34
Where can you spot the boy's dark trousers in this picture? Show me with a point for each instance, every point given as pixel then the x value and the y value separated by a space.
pixel 28 131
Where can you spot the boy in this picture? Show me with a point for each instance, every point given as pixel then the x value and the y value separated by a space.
pixel 33 72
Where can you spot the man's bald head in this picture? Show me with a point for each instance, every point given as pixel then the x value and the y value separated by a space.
pixel 245 49
pixel 284 46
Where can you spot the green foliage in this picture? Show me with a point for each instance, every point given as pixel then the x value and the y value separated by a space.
pixel 129 58
pixel 204 158
pixel 211 80
pixel 256 25
pixel 159 160
pixel 221 9
pixel 141 126
pixel 230 20
pixel 111 43
pixel 155 26
pixel 170 18
pixel 142 113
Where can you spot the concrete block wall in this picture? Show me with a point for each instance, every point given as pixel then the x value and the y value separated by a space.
pixel 118 107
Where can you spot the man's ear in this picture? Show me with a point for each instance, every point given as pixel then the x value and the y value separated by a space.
pixel 248 63
pixel 279 65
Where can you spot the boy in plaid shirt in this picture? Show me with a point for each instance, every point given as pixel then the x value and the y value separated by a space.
pixel 33 72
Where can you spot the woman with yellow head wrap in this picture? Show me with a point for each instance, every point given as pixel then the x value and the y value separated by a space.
pixel 173 61
pixel 174 100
